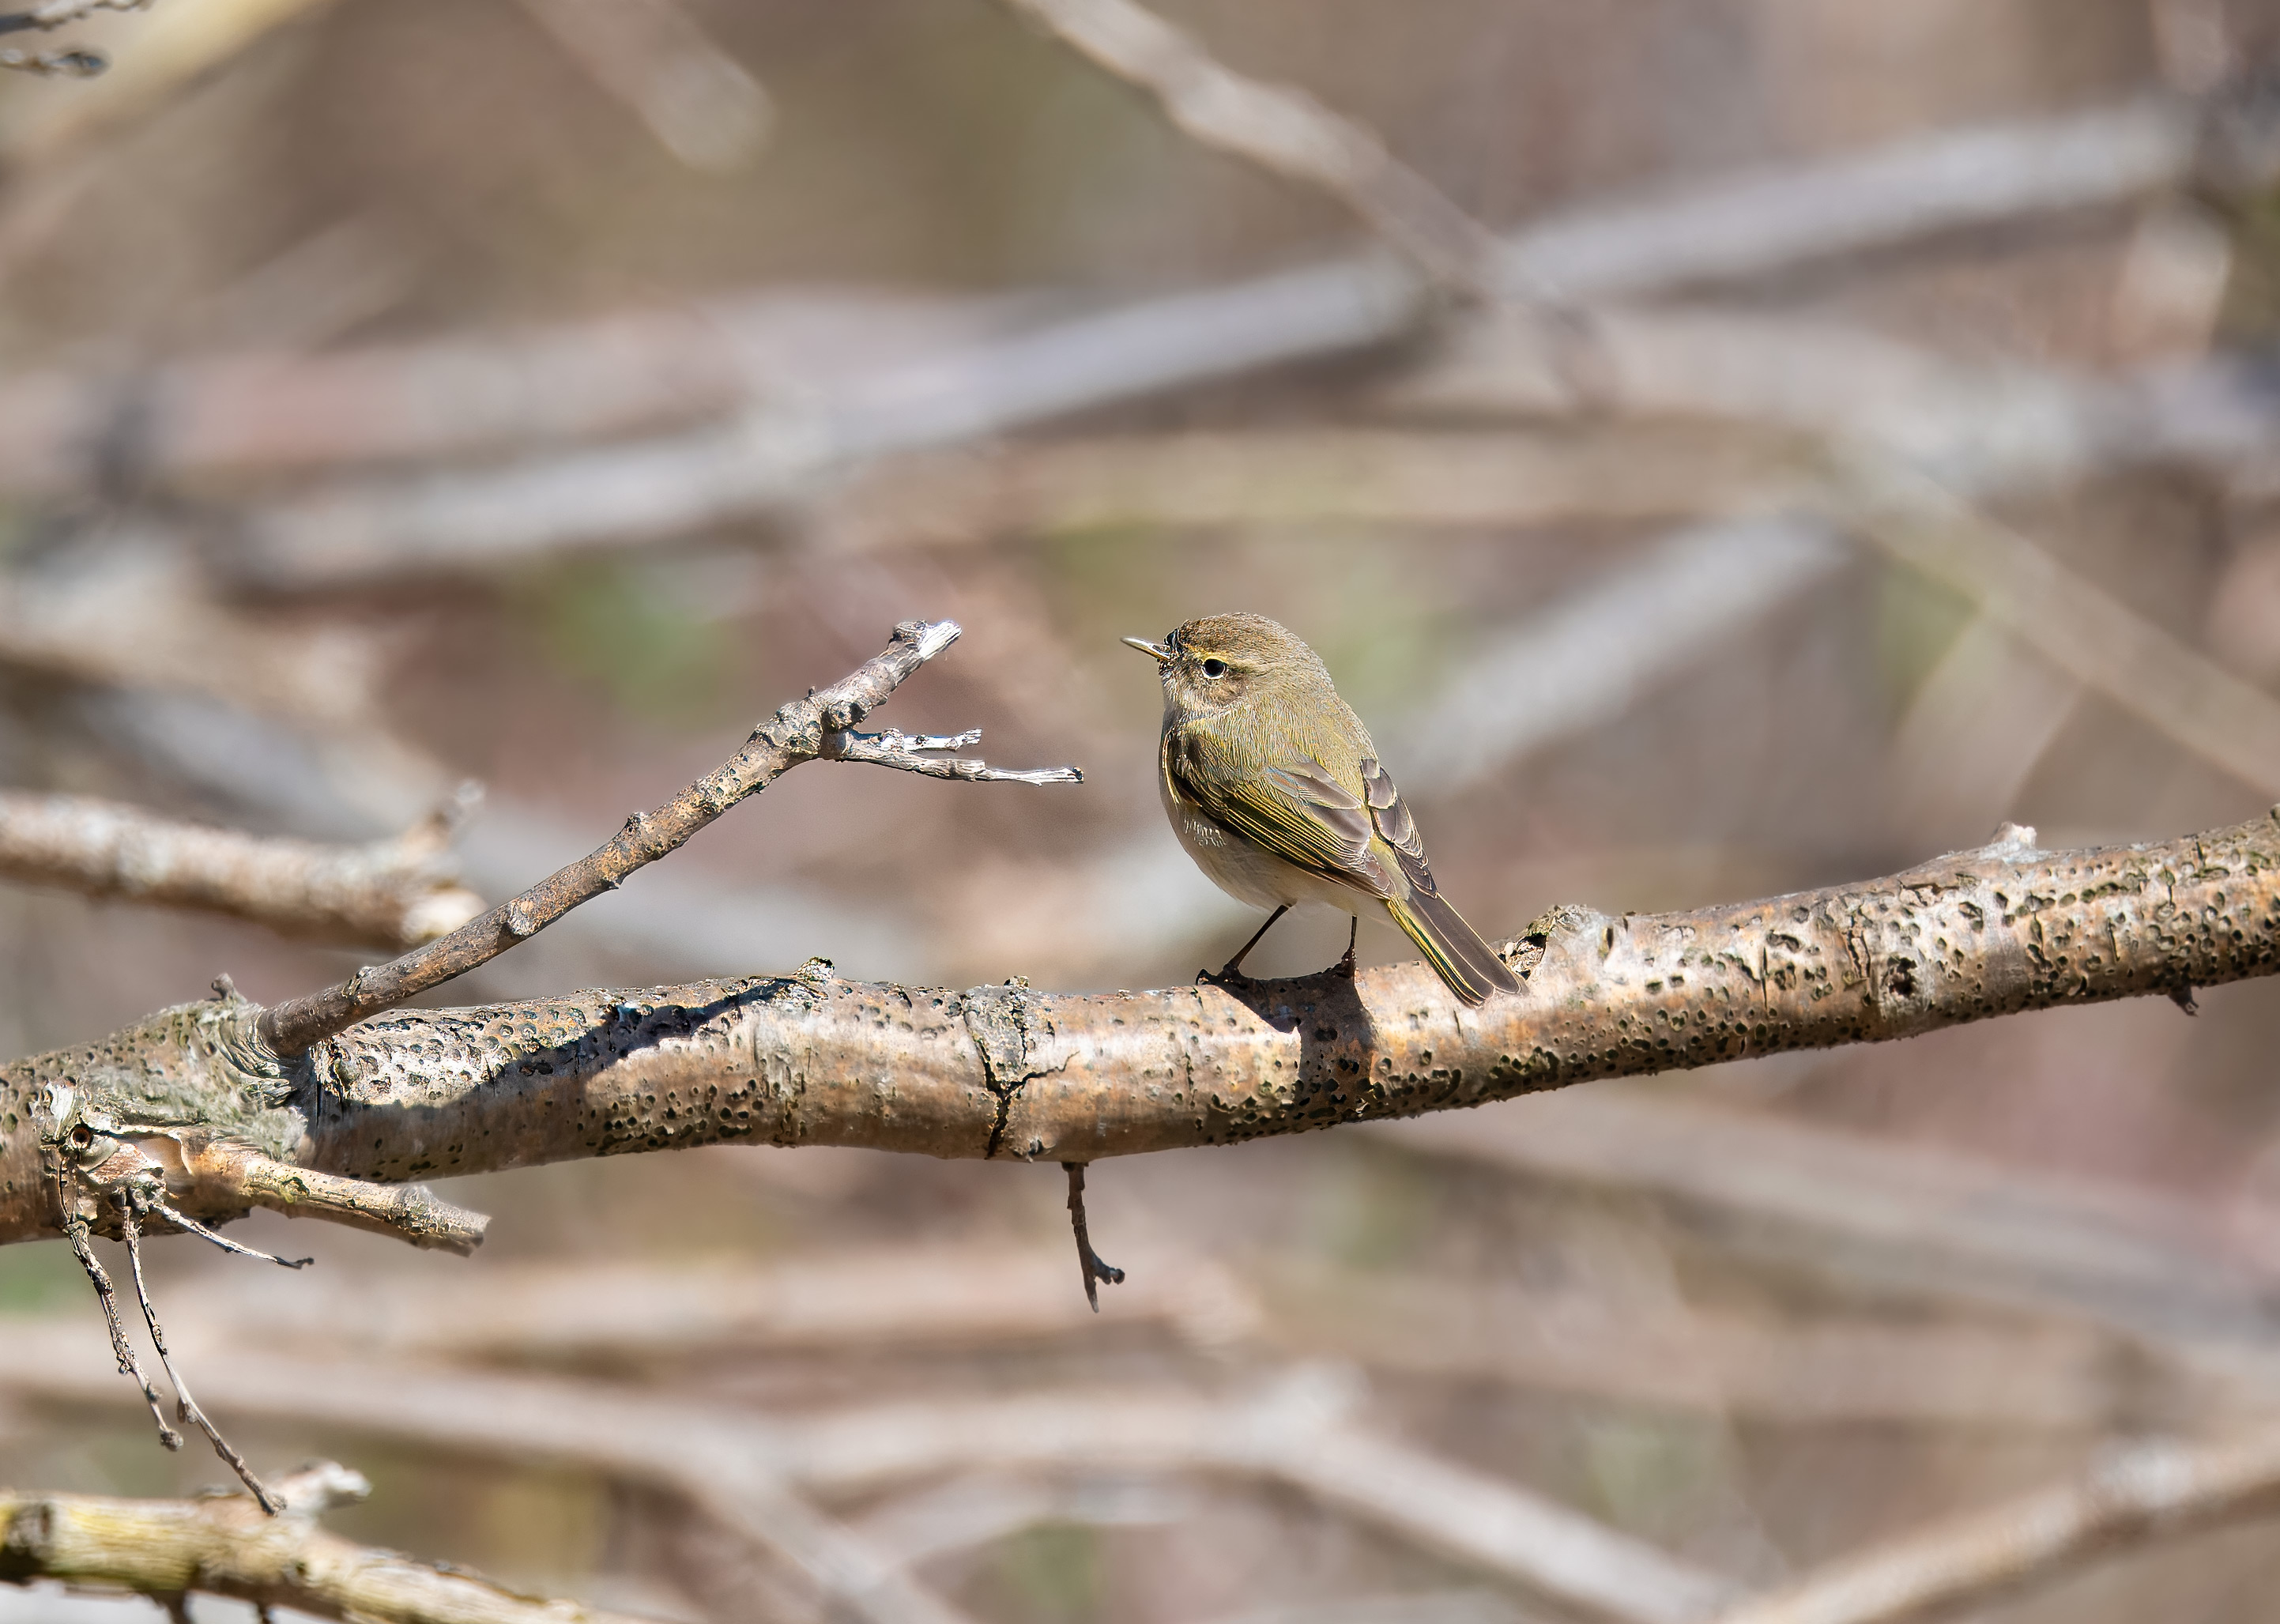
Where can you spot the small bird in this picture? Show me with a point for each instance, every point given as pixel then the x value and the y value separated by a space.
pixel 1274 790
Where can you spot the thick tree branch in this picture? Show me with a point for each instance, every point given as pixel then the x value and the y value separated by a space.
pixel 804 730
pixel 392 893
pixel 812 1060
pixel 227 1546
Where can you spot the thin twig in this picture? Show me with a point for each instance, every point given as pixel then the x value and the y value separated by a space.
pixel 186 1407
pixel 901 751
pixel 798 732
pixel 122 1348
pixel 192 1226
pixel 1094 1268
pixel 1284 131
pixel 698 100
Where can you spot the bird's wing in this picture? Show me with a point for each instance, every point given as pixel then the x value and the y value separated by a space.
pixel 1469 965
pixel 1295 809
pixel 1391 814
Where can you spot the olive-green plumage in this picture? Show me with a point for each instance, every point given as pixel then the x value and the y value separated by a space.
pixel 1273 785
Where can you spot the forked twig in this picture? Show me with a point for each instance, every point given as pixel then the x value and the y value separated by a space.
pixel 1096 1268
pixel 75 1228
pixel 900 751
pixel 186 1408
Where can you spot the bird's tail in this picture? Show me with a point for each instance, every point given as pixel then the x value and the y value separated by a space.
pixel 1454 948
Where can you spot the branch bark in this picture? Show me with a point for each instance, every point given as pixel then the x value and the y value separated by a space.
pixel 228 1546
pixel 811 1058
pixel 391 893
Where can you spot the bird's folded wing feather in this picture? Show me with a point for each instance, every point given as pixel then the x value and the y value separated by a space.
pixel 1391 815
pixel 1295 809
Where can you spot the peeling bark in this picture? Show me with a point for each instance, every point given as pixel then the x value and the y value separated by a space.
pixel 811 1058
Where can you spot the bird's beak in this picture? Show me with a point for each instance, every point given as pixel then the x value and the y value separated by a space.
pixel 1156 651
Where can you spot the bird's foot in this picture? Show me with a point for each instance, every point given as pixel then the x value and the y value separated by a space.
pixel 1227 976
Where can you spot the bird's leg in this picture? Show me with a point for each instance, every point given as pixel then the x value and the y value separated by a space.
pixel 1232 970
pixel 1346 965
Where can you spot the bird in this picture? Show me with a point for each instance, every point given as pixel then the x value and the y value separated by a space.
pixel 1274 788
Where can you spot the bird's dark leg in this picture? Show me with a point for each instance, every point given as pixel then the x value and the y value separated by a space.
pixel 1232 970
pixel 1346 965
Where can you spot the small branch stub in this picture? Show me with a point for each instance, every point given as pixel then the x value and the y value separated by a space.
pixel 1094 1267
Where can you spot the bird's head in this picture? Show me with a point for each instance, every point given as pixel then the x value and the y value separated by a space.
pixel 1223 660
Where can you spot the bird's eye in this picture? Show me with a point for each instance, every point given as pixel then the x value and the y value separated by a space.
pixel 1215 668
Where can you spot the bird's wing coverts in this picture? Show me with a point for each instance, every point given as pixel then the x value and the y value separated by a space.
pixel 1296 810
pixel 1391 814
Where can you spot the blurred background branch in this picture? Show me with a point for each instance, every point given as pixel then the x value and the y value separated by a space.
pixel 395 893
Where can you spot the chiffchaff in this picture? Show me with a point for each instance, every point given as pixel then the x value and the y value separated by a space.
pixel 1274 788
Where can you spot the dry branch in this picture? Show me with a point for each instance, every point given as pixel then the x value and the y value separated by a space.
pixel 698 100
pixel 1909 1217
pixel 1989 1379
pixel 1606 473
pixel 394 893
pixel 904 1298
pixel 1283 131
pixel 816 728
pixel 750 1472
pixel 234 415
pixel 2131 1495
pixel 917 1300
pixel 770 454
pixel 2085 632
pixel 811 1058
pixel 227 1546
pixel 1917 437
